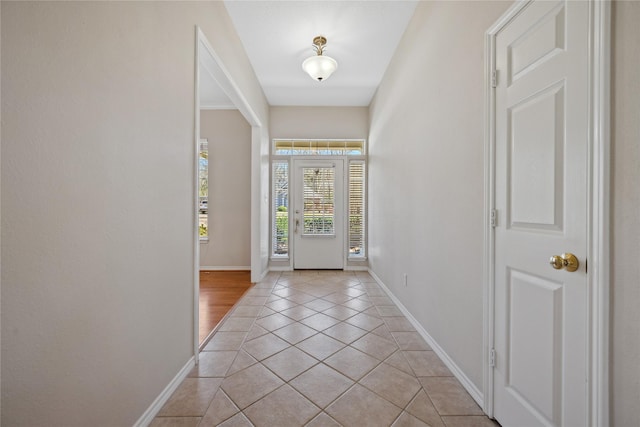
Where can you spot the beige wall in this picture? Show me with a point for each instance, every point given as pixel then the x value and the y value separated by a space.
pixel 229 137
pixel 426 175
pixel 319 122
pixel 97 202
pixel 426 148
pixel 625 215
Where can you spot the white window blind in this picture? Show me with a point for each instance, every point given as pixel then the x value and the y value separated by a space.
pixel 280 226
pixel 318 200
pixel 203 189
pixel 356 208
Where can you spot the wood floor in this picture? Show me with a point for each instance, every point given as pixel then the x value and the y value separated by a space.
pixel 219 291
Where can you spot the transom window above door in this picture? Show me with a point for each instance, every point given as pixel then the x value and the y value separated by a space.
pixel 331 147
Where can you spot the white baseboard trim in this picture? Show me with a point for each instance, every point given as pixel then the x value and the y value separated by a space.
pixel 157 404
pixel 225 268
pixel 475 393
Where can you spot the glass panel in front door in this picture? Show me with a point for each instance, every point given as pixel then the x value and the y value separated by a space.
pixel 318 200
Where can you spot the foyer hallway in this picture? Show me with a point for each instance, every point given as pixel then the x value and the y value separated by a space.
pixel 319 348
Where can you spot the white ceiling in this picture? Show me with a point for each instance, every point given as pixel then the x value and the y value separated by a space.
pixel 362 37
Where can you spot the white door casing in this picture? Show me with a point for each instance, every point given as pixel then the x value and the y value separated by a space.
pixel 543 120
pixel 318 216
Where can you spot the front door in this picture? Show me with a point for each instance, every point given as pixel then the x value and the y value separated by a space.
pixel 318 214
pixel 542 119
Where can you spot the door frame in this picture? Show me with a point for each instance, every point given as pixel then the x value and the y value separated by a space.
pixel 598 235
pixel 206 56
pixel 293 194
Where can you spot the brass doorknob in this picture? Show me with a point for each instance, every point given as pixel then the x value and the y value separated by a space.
pixel 567 261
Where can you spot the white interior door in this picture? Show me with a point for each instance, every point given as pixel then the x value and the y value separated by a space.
pixel 318 214
pixel 541 119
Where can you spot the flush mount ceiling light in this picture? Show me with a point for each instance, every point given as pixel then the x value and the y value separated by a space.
pixel 319 67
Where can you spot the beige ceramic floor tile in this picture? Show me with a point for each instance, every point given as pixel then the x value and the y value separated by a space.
pixel 273 298
pixel 246 311
pixel 373 312
pixel 301 298
pixel 319 304
pixel 360 407
pixel 399 324
pixel 352 363
pixel 258 292
pixel 243 360
pixel 345 332
pixel 255 332
pixel 266 311
pixel 469 421
pixel 283 407
pixel 389 311
pixel 449 397
pixel 323 420
pixel 299 312
pixel 375 346
pixel 410 341
pixel 266 399
pixel 236 324
pixel 220 409
pixel 213 364
pixel 383 332
pixel 225 341
pixel 337 298
pixel 295 332
pixel 398 361
pixel 392 384
pixel 376 292
pixel 285 292
pixel 422 408
pixel 340 312
pixel 426 364
pixel 282 304
pixel 353 292
pixel 175 422
pixel 191 398
pixel 238 420
pixel 264 346
pixel 364 321
pixel 407 420
pixel 253 301
pixel 273 322
pixel 289 363
pixel 381 301
pixel 321 384
pixel 250 385
pixel 319 321
pixel 320 346
pixel 357 304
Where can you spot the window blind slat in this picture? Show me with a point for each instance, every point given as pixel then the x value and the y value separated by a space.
pixel 356 208
pixel 312 147
pixel 280 226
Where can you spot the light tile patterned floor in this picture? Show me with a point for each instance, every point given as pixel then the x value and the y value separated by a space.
pixel 319 348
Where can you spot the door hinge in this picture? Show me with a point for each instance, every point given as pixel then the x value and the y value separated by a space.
pixel 492 358
pixel 494 78
pixel 493 218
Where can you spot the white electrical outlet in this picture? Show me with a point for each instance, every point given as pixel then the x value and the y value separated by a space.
pixel 405 279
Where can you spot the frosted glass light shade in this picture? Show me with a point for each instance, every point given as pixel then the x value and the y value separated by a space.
pixel 319 67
